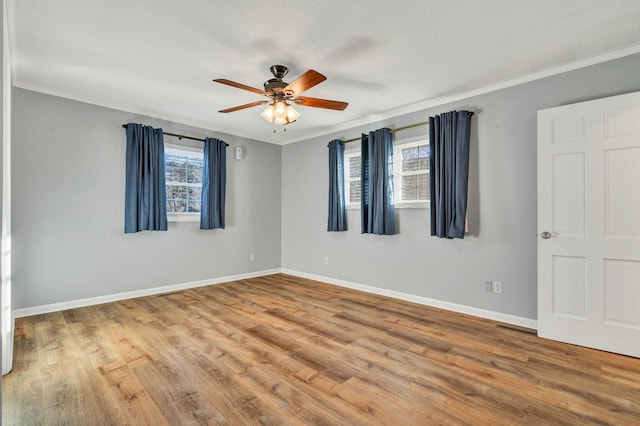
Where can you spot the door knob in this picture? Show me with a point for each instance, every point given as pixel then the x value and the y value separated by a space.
pixel 546 235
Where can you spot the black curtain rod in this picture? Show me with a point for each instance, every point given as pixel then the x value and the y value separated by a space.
pixel 424 123
pixel 179 136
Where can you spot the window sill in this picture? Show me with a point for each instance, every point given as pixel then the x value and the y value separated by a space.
pixel 403 205
pixel 183 217
pixel 410 205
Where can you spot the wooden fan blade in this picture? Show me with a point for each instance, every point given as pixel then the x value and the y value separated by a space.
pixel 320 103
pixel 240 86
pixel 252 104
pixel 304 82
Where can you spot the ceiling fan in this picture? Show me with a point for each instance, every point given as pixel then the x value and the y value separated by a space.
pixel 279 110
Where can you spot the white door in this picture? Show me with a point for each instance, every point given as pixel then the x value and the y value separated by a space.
pixel 589 224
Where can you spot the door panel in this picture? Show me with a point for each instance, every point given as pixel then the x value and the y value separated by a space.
pixel 589 204
pixel 622 293
pixel 622 203
pixel 568 174
pixel 569 286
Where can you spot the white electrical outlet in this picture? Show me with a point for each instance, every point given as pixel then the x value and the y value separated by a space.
pixel 326 260
pixel 252 257
pixel 497 286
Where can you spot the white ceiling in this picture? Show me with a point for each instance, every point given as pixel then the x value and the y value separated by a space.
pixel 158 57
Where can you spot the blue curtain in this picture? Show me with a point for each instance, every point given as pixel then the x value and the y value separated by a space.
pixel 337 216
pixel 376 192
pixel 145 206
pixel 214 181
pixel 449 139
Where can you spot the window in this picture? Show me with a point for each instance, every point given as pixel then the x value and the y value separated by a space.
pixel 352 179
pixel 183 177
pixel 410 175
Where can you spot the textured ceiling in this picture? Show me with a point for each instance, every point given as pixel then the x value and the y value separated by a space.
pixel 158 57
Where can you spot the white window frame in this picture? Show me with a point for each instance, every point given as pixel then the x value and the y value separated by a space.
pixel 397 173
pixel 190 151
pixel 354 152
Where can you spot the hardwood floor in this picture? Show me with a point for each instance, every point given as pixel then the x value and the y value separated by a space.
pixel 285 350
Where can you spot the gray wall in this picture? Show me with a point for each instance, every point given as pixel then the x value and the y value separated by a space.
pixel 68 207
pixel 68 191
pixel 502 202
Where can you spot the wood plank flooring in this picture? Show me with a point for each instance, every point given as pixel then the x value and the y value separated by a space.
pixel 282 350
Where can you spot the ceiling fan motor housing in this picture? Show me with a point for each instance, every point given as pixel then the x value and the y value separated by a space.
pixel 275 85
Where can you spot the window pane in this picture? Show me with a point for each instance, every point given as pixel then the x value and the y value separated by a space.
pixel 410 188
pixel 194 172
pixel 183 198
pixel 193 206
pixel 410 159
pixel 183 168
pixel 176 206
pixel 174 173
pixel 415 187
pixel 176 192
pixel 354 191
pixel 354 166
pixel 415 158
pixel 423 187
pixel 423 155
pixel 194 193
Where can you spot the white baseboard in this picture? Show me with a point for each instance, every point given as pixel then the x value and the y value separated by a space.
pixel 55 307
pixel 482 313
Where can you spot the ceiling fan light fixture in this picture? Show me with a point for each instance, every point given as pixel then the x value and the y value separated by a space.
pixel 267 114
pixel 280 109
pixel 280 112
pixel 292 114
